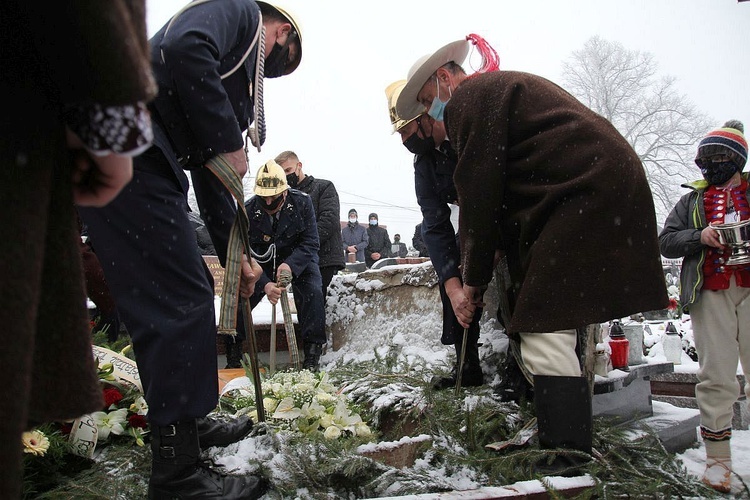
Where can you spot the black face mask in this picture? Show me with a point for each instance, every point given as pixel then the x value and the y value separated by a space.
pixel 275 203
pixel 292 179
pixel 276 61
pixel 717 174
pixel 418 145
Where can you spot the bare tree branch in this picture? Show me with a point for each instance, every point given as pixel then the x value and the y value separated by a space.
pixel 662 126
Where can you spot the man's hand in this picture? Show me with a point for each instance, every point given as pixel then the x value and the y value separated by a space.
pixel 710 237
pixel 283 269
pixel 97 180
pixel 238 160
pixel 250 272
pixel 462 306
pixel 351 249
pixel 273 292
pixel 475 294
pixel 375 256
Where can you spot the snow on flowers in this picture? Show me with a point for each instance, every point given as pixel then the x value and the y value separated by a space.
pixel 302 402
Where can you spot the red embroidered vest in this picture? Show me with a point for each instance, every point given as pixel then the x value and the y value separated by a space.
pixel 715 201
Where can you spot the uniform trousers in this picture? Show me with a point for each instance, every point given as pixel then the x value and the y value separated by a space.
pixel 163 289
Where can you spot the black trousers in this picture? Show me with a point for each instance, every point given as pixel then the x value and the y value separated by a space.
pixel 326 274
pixel 163 290
pixel 308 299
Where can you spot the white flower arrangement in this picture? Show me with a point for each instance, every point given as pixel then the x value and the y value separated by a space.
pixel 306 403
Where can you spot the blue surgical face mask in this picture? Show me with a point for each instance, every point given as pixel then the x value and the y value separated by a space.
pixel 373 222
pixel 352 220
pixel 437 109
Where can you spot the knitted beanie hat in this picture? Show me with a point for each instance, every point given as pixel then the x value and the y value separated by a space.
pixel 728 140
pixel 352 211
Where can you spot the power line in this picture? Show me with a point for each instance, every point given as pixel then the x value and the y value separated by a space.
pixel 382 203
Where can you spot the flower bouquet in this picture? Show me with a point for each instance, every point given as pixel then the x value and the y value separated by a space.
pixel 299 402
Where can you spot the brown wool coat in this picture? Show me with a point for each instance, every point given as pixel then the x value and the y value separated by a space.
pixel 53 54
pixel 557 188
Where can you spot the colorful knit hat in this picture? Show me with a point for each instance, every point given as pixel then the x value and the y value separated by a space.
pixel 728 140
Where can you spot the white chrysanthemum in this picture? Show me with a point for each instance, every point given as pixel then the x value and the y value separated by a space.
pixel 332 432
pixel 325 398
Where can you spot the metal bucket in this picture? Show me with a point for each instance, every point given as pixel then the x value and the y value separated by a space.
pixel 735 235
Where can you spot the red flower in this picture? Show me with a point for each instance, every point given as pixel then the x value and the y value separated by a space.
pixel 138 421
pixel 111 396
pixel 673 305
pixel 66 428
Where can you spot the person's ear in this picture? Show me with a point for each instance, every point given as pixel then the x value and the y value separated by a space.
pixel 443 75
pixel 282 33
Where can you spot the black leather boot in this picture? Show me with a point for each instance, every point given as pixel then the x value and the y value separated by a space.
pixel 312 356
pixel 234 352
pixel 513 383
pixel 472 374
pixel 564 420
pixel 216 431
pixel 176 471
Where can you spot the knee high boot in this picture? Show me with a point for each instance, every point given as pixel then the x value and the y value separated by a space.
pixel 563 411
pixel 176 471
pixel 564 417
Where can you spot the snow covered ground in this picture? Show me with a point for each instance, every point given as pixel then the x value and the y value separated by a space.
pixel 424 343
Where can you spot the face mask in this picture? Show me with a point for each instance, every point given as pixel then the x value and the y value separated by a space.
pixel 418 145
pixel 352 220
pixel 437 109
pixel 276 61
pixel 373 222
pixel 717 174
pixel 275 203
pixel 292 180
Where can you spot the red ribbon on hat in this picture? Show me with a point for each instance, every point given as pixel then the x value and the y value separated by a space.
pixel 490 59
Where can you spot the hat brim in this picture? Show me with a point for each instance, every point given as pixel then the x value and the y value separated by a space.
pixel 407 103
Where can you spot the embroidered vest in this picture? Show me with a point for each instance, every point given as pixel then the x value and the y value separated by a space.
pixel 718 203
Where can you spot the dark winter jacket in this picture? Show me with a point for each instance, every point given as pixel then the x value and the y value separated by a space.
pixel 198 115
pixel 681 237
pixel 296 235
pixel 418 241
pixel 555 187
pixel 205 115
pixel 433 182
pixel 325 201
pixel 398 249
pixel 355 235
pixel 378 241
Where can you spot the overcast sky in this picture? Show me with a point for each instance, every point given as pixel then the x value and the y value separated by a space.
pixel 332 111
